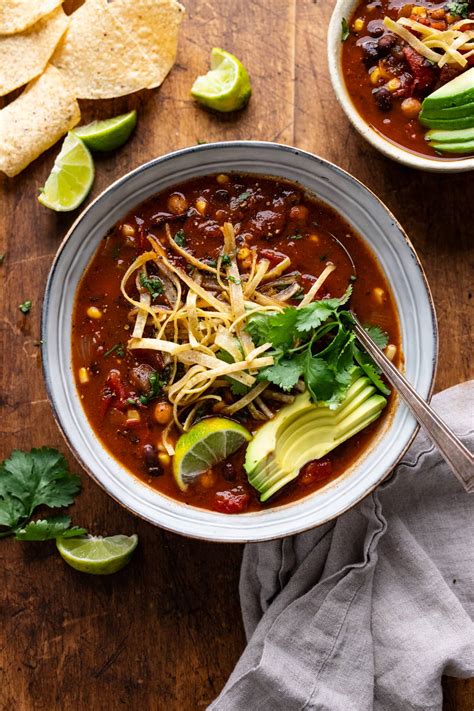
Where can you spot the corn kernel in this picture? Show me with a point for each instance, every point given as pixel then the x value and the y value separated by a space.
pixel 177 203
pixel 378 295
pixel 314 239
pixel 207 479
pixel 243 253
pixel 94 312
pixel 164 459
pixel 393 84
pixel 418 10
pixel 83 376
pixel 128 230
pixel 358 25
pixel 163 412
pixel 375 75
pixel 391 351
pixel 201 206
pixel 133 416
pixel 222 179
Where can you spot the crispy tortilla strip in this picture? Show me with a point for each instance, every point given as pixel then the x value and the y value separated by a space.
pixel 23 56
pixel 18 15
pixel 154 26
pixel 103 55
pixel 44 112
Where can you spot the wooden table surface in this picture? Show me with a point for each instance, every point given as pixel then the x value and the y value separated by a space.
pixel 166 632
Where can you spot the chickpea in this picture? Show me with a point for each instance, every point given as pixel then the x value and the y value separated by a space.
pixel 127 230
pixel 411 107
pixel 299 213
pixel 163 413
pixel 207 479
pixel 222 179
pixel 177 203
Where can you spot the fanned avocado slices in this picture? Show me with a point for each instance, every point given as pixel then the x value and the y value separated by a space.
pixel 304 431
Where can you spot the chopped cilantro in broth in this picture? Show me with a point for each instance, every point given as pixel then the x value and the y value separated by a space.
pixel 124 392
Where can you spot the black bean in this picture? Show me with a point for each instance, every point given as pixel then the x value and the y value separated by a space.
pixel 383 99
pixel 386 42
pixel 151 460
pixel 375 28
pixel 222 195
pixel 228 471
pixel 370 51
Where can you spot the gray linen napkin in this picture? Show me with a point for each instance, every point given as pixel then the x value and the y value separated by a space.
pixel 368 611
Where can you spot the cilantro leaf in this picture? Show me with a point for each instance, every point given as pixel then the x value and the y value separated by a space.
pixel 180 238
pixel 319 377
pixel 460 9
pixel 48 528
pixel 152 284
pixel 370 369
pixel 277 329
pixel 236 387
pixel 25 307
pixel 285 373
pixel 344 30
pixel 312 316
pixel 377 335
pixel 37 477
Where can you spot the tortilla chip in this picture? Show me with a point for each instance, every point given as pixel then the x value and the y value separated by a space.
pixel 24 56
pixel 17 15
pixel 102 58
pixel 154 27
pixel 45 111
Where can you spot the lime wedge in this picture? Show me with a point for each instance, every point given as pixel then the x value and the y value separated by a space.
pixel 97 555
pixel 71 178
pixel 208 442
pixel 226 87
pixel 109 134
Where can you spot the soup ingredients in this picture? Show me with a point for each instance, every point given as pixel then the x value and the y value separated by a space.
pixel 226 87
pixel 33 122
pixel 23 56
pixel 315 342
pixel 97 555
pixel 108 134
pixel 71 177
pixel 40 477
pixel 400 57
pixel 304 431
pixel 207 443
pixel 18 15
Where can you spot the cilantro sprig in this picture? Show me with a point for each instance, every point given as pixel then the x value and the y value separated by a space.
pixel 28 480
pixel 316 343
pixel 152 284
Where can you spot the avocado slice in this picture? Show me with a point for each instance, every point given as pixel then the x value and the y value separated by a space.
pixel 304 431
pixel 456 92
pixel 447 124
pixel 451 112
pixel 461 147
pixel 462 136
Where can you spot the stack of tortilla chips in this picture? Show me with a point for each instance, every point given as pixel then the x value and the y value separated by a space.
pixel 107 48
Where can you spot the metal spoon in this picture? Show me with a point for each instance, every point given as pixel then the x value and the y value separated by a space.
pixel 452 449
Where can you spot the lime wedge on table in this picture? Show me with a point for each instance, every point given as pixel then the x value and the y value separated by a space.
pixel 109 134
pixel 71 177
pixel 97 555
pixel 226 87
pixel 208 442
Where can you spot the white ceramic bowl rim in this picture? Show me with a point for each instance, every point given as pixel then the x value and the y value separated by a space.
pixel 345 8
pixel 362 210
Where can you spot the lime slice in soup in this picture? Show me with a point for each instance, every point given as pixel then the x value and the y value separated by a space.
pixel 208 442
pixel 97 555
pixel 226 87
pixel 71 177
pixel 109 134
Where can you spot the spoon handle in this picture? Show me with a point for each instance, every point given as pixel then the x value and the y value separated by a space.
pixel 454 452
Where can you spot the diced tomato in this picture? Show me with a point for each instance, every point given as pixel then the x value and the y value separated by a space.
pixel 423 71
pixel 231 501
pixel 273 256
pixel 317 470
pixel 114 393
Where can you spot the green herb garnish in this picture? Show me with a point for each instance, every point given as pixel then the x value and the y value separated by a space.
pixel 118 349
pixel 157 382
pixel 234 280
pixel 316 343
pixel 152 284
pixel 40 477
pixel 344 30
pixel 297 235
pixel 25 307
pixel 225 260
pixel 460 9
pixel 180 238
pixel 243 197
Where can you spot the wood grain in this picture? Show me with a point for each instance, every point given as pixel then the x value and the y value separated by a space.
pixel 166 632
